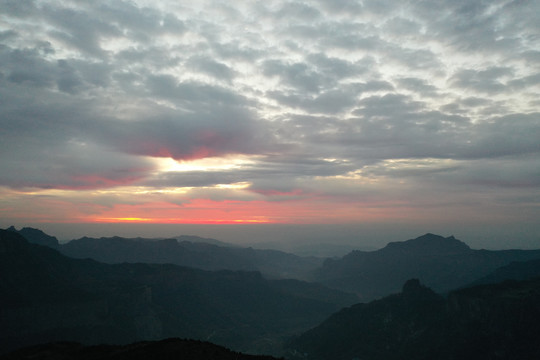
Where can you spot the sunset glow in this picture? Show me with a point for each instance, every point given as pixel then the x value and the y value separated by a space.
pixel 282 112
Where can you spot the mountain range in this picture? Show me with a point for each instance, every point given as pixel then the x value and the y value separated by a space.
pixel 47 296
pixel 172 348
pixel 495 321
pixel 137 291
pixel 191 251
pixel 440 263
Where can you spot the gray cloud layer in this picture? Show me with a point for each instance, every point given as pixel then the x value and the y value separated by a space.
pixel 437 92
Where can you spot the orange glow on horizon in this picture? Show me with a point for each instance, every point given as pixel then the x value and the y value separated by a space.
pixel 273 208
pixel 205 211
pixel 179 221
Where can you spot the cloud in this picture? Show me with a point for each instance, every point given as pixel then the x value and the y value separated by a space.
pixel 79 30
pixel 343 101
pixel 68 165
pixel 486 81
pixel 420 86
pixel 185 136
pixel 211 67
pixel 297 75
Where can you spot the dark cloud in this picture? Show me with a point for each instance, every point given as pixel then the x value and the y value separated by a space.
pixel 216 69
pixel 423 59
pixel 524 82
pixel 8 34
pixel 399 26
pixel 299 11
pixel 330 102
pixel 193 94
pixel 475 101
pixel 421 86
pixel 237 51
pixel 180 136
pixel 69 165
pixel 334 101
pixel 26 66
pixel 80 30
pixel 341 6
pixel 510 135
pixel 296 75
pixel 30 66
pixel 490 80
pixel 336 68
pixel 19 8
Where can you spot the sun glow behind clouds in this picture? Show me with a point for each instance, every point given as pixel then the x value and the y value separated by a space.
pixel 357 113
pixel 206 164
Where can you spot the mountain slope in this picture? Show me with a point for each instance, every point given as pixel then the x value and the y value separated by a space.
pixel 46 296
pixel 517 270
pixel 498 321
pixel 271 263
pixel 115 250
pixel 36 236
pixel 164 349
pixel 441 263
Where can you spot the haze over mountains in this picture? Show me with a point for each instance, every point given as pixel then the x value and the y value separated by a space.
pixel 246 299
pixel 441 263
pixel 498 321
pixel 47 296
pixel 192 251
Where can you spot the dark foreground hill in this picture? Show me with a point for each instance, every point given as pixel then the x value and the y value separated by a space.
pixel 441 263
pixel 46 296
pixel 156 350
pixel 497 321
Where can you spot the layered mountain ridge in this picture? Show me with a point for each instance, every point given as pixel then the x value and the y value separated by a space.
pixel 163 349
pixel 496 321
pixel 184 250
pixel 441 263
pixel 46 296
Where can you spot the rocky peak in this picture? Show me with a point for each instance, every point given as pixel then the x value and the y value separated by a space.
pixel 430 244
pixel 36 236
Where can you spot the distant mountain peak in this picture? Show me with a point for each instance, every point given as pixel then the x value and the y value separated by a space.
pixel 36 236
pixel 414 289
pixel 411 285
pixel 430 243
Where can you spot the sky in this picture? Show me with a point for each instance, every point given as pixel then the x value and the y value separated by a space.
pixel 374 114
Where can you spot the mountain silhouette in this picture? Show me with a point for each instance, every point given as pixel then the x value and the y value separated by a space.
pixel 36 236
pixel 193 253
pixel 517 270
pixel 496 321
pixel 46 296
pixel 441 263
pixel 164 349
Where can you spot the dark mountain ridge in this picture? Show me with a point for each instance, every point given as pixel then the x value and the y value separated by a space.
pixel 428 244
pixel 115 250
pixel 441 263
pixel 164 349
pixel 517 270
pixel 199 254
pixel 36 236
pixel 497 321
pixel 46 296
